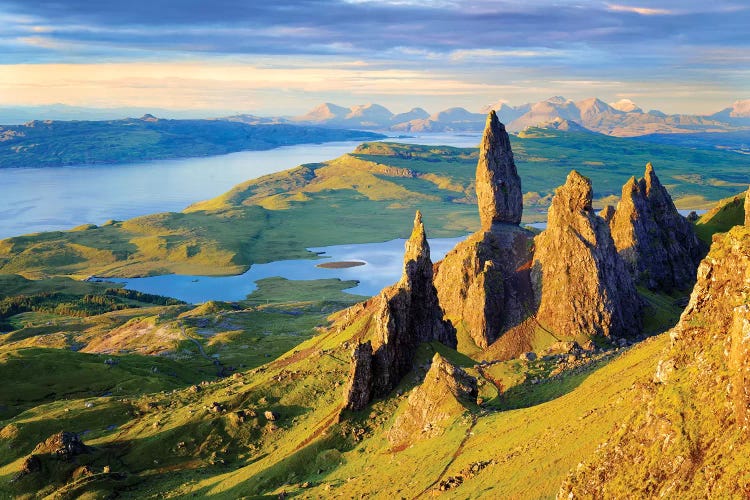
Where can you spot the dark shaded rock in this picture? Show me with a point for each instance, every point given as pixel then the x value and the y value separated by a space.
pixel 30 465
pixel 217 407
pixel 446 392
pixel 658 245
pixel 358 390
pixel 580 282
pixel 498 185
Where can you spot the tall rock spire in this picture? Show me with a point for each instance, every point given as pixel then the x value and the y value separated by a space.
pixel 498 184
pixel 581 283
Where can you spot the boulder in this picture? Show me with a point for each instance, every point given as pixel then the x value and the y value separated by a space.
pixel 483 283
pixel 580 282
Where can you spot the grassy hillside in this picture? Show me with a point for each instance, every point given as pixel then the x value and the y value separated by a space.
pixel 368 195
pixel 55 143
pixel 243 399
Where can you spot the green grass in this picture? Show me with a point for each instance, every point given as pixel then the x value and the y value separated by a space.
pixel 726 214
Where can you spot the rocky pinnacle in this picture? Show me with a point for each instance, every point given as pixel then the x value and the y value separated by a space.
pixel 581 283
pixel 417 261
pixel 658 245
pixel 498 184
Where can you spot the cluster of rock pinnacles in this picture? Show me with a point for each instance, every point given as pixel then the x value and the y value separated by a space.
pixel 577 279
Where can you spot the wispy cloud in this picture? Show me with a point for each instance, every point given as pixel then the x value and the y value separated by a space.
pixel 644 11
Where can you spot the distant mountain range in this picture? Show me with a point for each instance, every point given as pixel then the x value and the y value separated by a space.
pixel 623 118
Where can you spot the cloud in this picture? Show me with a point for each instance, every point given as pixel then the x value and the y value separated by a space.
pixel 355 47
pixel 644 11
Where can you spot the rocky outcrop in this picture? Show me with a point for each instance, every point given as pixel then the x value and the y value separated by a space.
pixel 402 317
pixel 658 245
pixel 498 184
pixel 63 445
pixel 484 284
pixel 690 432
pixel 446 392
pixel 747 208
pixel 581 284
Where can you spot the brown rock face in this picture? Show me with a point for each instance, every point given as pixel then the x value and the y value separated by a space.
pixel 498 185
pixel 692 423
pixel 445 394
pixel 658 245
pixel 401 317
pixel 580 282
pixel 484 284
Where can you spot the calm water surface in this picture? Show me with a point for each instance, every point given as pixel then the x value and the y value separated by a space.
pixel 383 264
pixel 59 198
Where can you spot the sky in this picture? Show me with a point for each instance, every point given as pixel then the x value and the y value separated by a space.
pixel 282 57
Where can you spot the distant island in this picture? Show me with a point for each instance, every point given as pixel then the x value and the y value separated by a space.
pixel 59 143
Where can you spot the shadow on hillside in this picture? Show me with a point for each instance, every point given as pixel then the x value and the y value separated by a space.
pixel 530 394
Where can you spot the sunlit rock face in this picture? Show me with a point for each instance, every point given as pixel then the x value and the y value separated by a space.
pixel 580 282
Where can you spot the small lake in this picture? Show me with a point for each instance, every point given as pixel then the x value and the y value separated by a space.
pixel 383 265
pixel 60 198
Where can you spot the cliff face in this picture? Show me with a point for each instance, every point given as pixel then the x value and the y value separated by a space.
pixel 446 392
pixel 580 282
pixel 688 438
pixel 655 241
pixel 402 317
pixel 498 184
